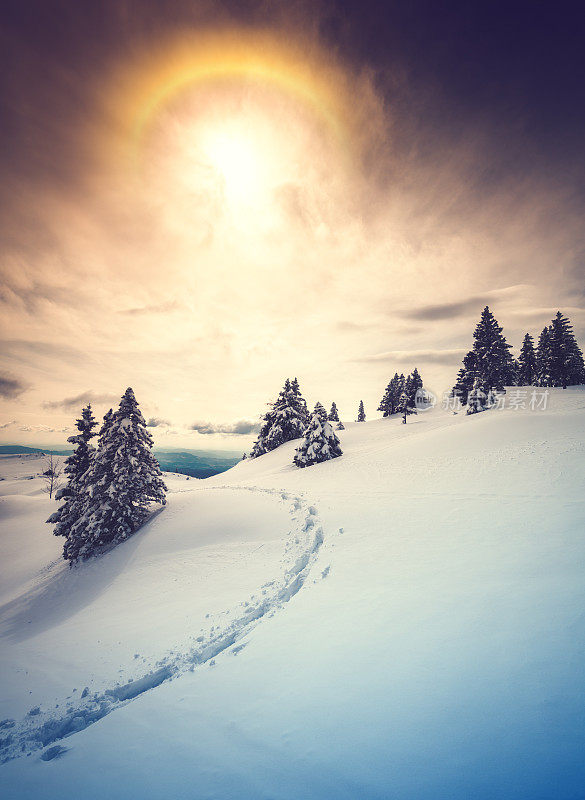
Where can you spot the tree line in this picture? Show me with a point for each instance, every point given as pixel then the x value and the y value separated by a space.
pixel 288 418
pixel 557 361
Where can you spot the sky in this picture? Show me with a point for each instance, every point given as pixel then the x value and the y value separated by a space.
pixel 199 199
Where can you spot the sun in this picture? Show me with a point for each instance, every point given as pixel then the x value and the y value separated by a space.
pixel 233 155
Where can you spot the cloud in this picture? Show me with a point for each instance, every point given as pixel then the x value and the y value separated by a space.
pixel 30 351
pixel 416 356
pixel 542 316
pixel 446 310
pixel 160 308
pixel 242 427
pixel 469 305
pixel 32 296
pixel 73 403
pixel 7 424
pixel 11 387
pixel 40 429
pixel 156 422
pixel 347 326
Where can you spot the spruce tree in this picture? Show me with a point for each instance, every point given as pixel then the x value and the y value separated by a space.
pixel 415 383
pixel 320 442
pixel 527 363
pixel 333 414
pixel 123 480
pixel 389 401
pixel 340 426
pixel 76 465
pixel 466 377
pixel 566 359
pixel 543 358
pixel 361 417
pixel 559 360
pixel 489 363
pixel 285 420
pixel 406 406
pixel 477 399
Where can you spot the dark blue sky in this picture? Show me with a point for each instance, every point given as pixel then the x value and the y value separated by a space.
pixel 516 68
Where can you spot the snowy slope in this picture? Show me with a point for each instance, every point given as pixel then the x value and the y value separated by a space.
pixel 431 646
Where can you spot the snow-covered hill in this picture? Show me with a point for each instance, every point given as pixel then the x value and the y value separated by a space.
pixel 406 621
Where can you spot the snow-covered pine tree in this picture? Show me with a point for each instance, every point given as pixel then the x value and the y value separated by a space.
pixel 543 357
pixel 415 383
pixel 526 375
pixel 406 406
pixel 320 442
pixel 389 400
pixel 299 400
pixel 333 414
pixel 575 362
pixel 566 366
pixel 122 482
pixel 285 420
pixel 259 446
pixel 361 417
pixel 489 362
pixel 398 384
pixel 76 465
pixel 477 399
pixel 466 377
pixel 340 426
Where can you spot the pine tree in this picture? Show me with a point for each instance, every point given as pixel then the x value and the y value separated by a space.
pixel 489 362
pixel 320 442
pixel 361 417
pixel 559 360
pixel 398 384
pixel 415 384
pixel 566 359
pixel 340 426
pixel 76 465
pixel 527 363
pixel 406 406
pixel 333 414
pixel 466 377
pixel 477 399
pixel 285 420
pixel 389 400
pixel 543 357
pixel 123 480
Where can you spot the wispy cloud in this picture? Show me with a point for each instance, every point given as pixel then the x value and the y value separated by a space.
pixel 11 387
pixel 31 297
pixel 79 400
pixel 460 308
pixel 243 427
pixel 160 308
pixel 415 357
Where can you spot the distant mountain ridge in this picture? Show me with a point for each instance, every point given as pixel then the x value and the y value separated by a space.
pixel 195 463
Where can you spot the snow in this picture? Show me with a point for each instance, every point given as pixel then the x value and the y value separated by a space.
pixel 403 621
